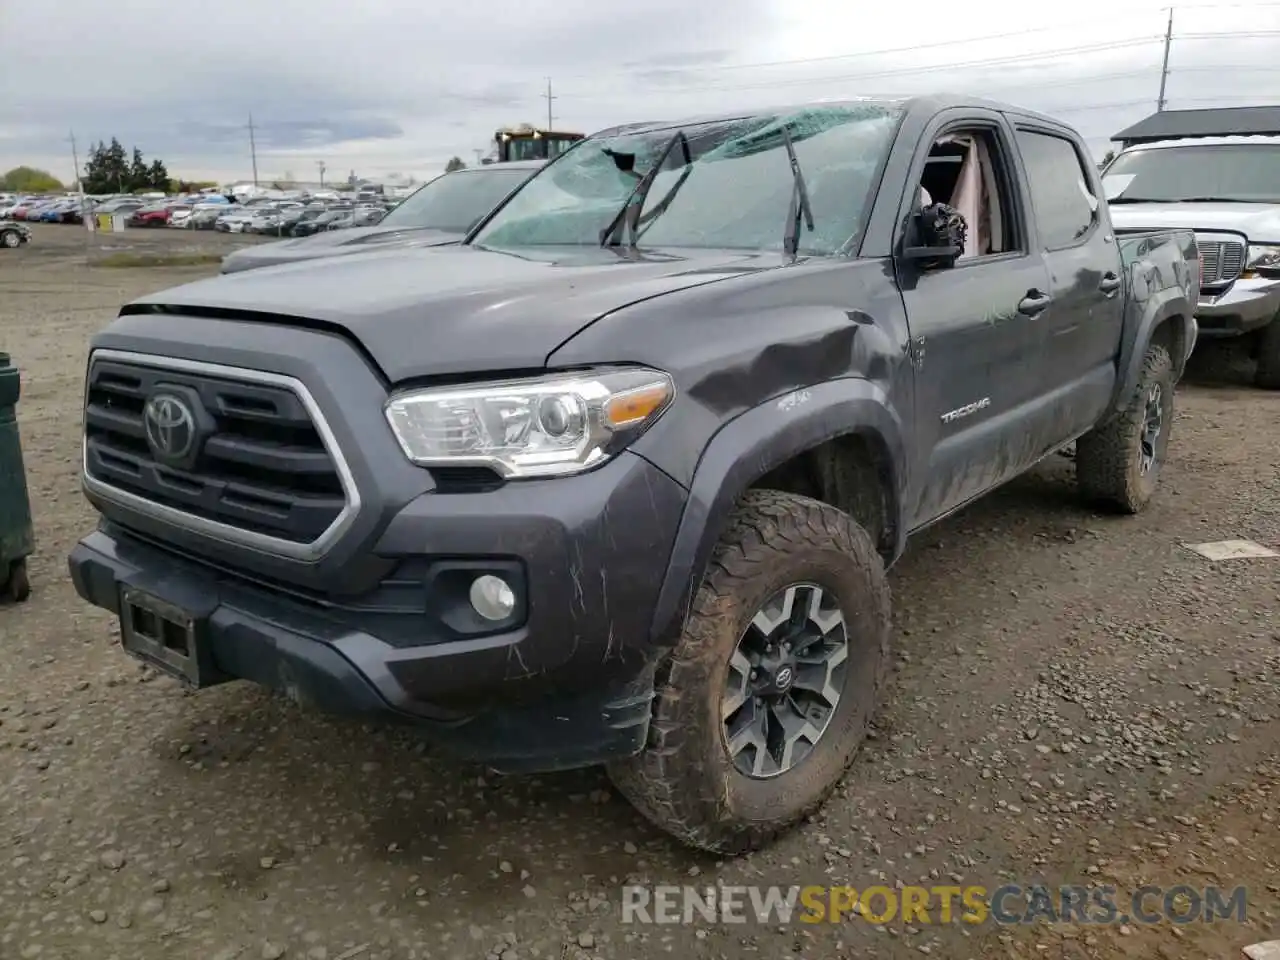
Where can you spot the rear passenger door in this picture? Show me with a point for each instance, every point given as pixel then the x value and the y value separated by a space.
pixel 1082 325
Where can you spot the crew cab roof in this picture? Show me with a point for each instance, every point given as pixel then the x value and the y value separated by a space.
pixel 930 104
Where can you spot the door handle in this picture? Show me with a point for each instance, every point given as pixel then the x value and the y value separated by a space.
pixel 1034 302
pixel 1109 283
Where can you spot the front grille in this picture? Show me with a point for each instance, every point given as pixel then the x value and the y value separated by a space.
pixel 261 465
pixel 1221 261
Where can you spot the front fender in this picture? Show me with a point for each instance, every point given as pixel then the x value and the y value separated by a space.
pixel 748 447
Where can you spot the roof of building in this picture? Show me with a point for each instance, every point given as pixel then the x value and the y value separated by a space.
pixel 1214 122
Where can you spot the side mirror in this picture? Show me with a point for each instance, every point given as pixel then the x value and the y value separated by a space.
pixel 940 233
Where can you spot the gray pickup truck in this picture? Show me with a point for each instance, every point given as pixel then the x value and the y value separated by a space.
pixel 617 480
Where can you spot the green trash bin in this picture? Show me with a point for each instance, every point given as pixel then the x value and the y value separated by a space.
pixel 17 537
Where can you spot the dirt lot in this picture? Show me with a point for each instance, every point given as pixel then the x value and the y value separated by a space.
pixel 64 243
pixel 1078 699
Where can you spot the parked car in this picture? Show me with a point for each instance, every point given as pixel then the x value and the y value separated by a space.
pixel 152 215
pixel 316 225
pixel 437 214
pixel 120 206
pixel 617 479
pixel 234 221
pixel 1227 189
pixel 53 212
pixel 205 215
pixel 13 234
pixel 21 211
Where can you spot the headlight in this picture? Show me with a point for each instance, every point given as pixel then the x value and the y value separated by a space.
pixel 1262 257
pixel 541 427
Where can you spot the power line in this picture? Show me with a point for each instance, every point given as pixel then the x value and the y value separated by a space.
pixel 1218 68
pixel 905 71
pixel 1228 35
pixel 961 41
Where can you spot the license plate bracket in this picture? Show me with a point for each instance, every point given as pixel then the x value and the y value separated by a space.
pixel 166 636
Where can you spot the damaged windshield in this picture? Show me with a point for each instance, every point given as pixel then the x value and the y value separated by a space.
pixel 722 184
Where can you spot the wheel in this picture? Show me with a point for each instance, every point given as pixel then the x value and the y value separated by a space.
pixel 17 588
pixel 1267 375
pixel 769 692
pixel 1119 461
pixel 10 239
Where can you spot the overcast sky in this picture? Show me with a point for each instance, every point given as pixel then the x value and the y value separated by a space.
pixel 394 86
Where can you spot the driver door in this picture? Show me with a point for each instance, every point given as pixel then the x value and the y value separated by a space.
pixel 976 336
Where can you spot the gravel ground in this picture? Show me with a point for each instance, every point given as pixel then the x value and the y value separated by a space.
pixel 72 245
pixel 1078 698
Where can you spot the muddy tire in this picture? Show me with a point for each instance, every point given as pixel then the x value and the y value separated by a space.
pixel 735 757
pixel 17 587
pixel 1119 462
pixel 1267 375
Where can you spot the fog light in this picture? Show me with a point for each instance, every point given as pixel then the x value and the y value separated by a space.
pixel 492 598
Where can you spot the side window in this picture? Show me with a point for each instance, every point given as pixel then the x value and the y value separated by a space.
pixel 1064 204
pixel 967 170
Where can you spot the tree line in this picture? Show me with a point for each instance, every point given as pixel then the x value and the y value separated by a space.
pixel 109 169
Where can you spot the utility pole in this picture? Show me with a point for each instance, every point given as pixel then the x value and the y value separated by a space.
pixel 1164 67
pixel 320 164
pixel 551 121
pixel 253 151
pixel 75 158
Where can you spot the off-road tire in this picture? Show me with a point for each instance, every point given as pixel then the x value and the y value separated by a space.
pixel 17 586
pixel 1267 374
pixel 10 239
pixel 1108 457
pixel 684 780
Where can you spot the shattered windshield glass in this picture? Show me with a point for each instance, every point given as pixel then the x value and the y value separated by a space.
pixel 736 193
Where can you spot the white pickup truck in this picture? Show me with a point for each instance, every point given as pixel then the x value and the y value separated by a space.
pixel 1226 189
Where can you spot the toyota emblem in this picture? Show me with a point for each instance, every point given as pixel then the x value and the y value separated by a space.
pixel 782 679
pixel 170 425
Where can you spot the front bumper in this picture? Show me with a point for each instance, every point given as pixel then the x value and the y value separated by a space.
pixel 567 684
pixel 1248 305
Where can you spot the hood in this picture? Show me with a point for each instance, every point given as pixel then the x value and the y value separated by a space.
pixel 332 242
pixel 459 309
pixel 1259 222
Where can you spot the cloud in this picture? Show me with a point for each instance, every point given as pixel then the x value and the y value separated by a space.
pixel 391 85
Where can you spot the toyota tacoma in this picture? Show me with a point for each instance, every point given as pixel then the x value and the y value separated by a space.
pixel 616 481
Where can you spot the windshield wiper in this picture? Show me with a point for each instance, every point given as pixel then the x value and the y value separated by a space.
pixel 799 202
pixel 628 217
pixel 646 221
